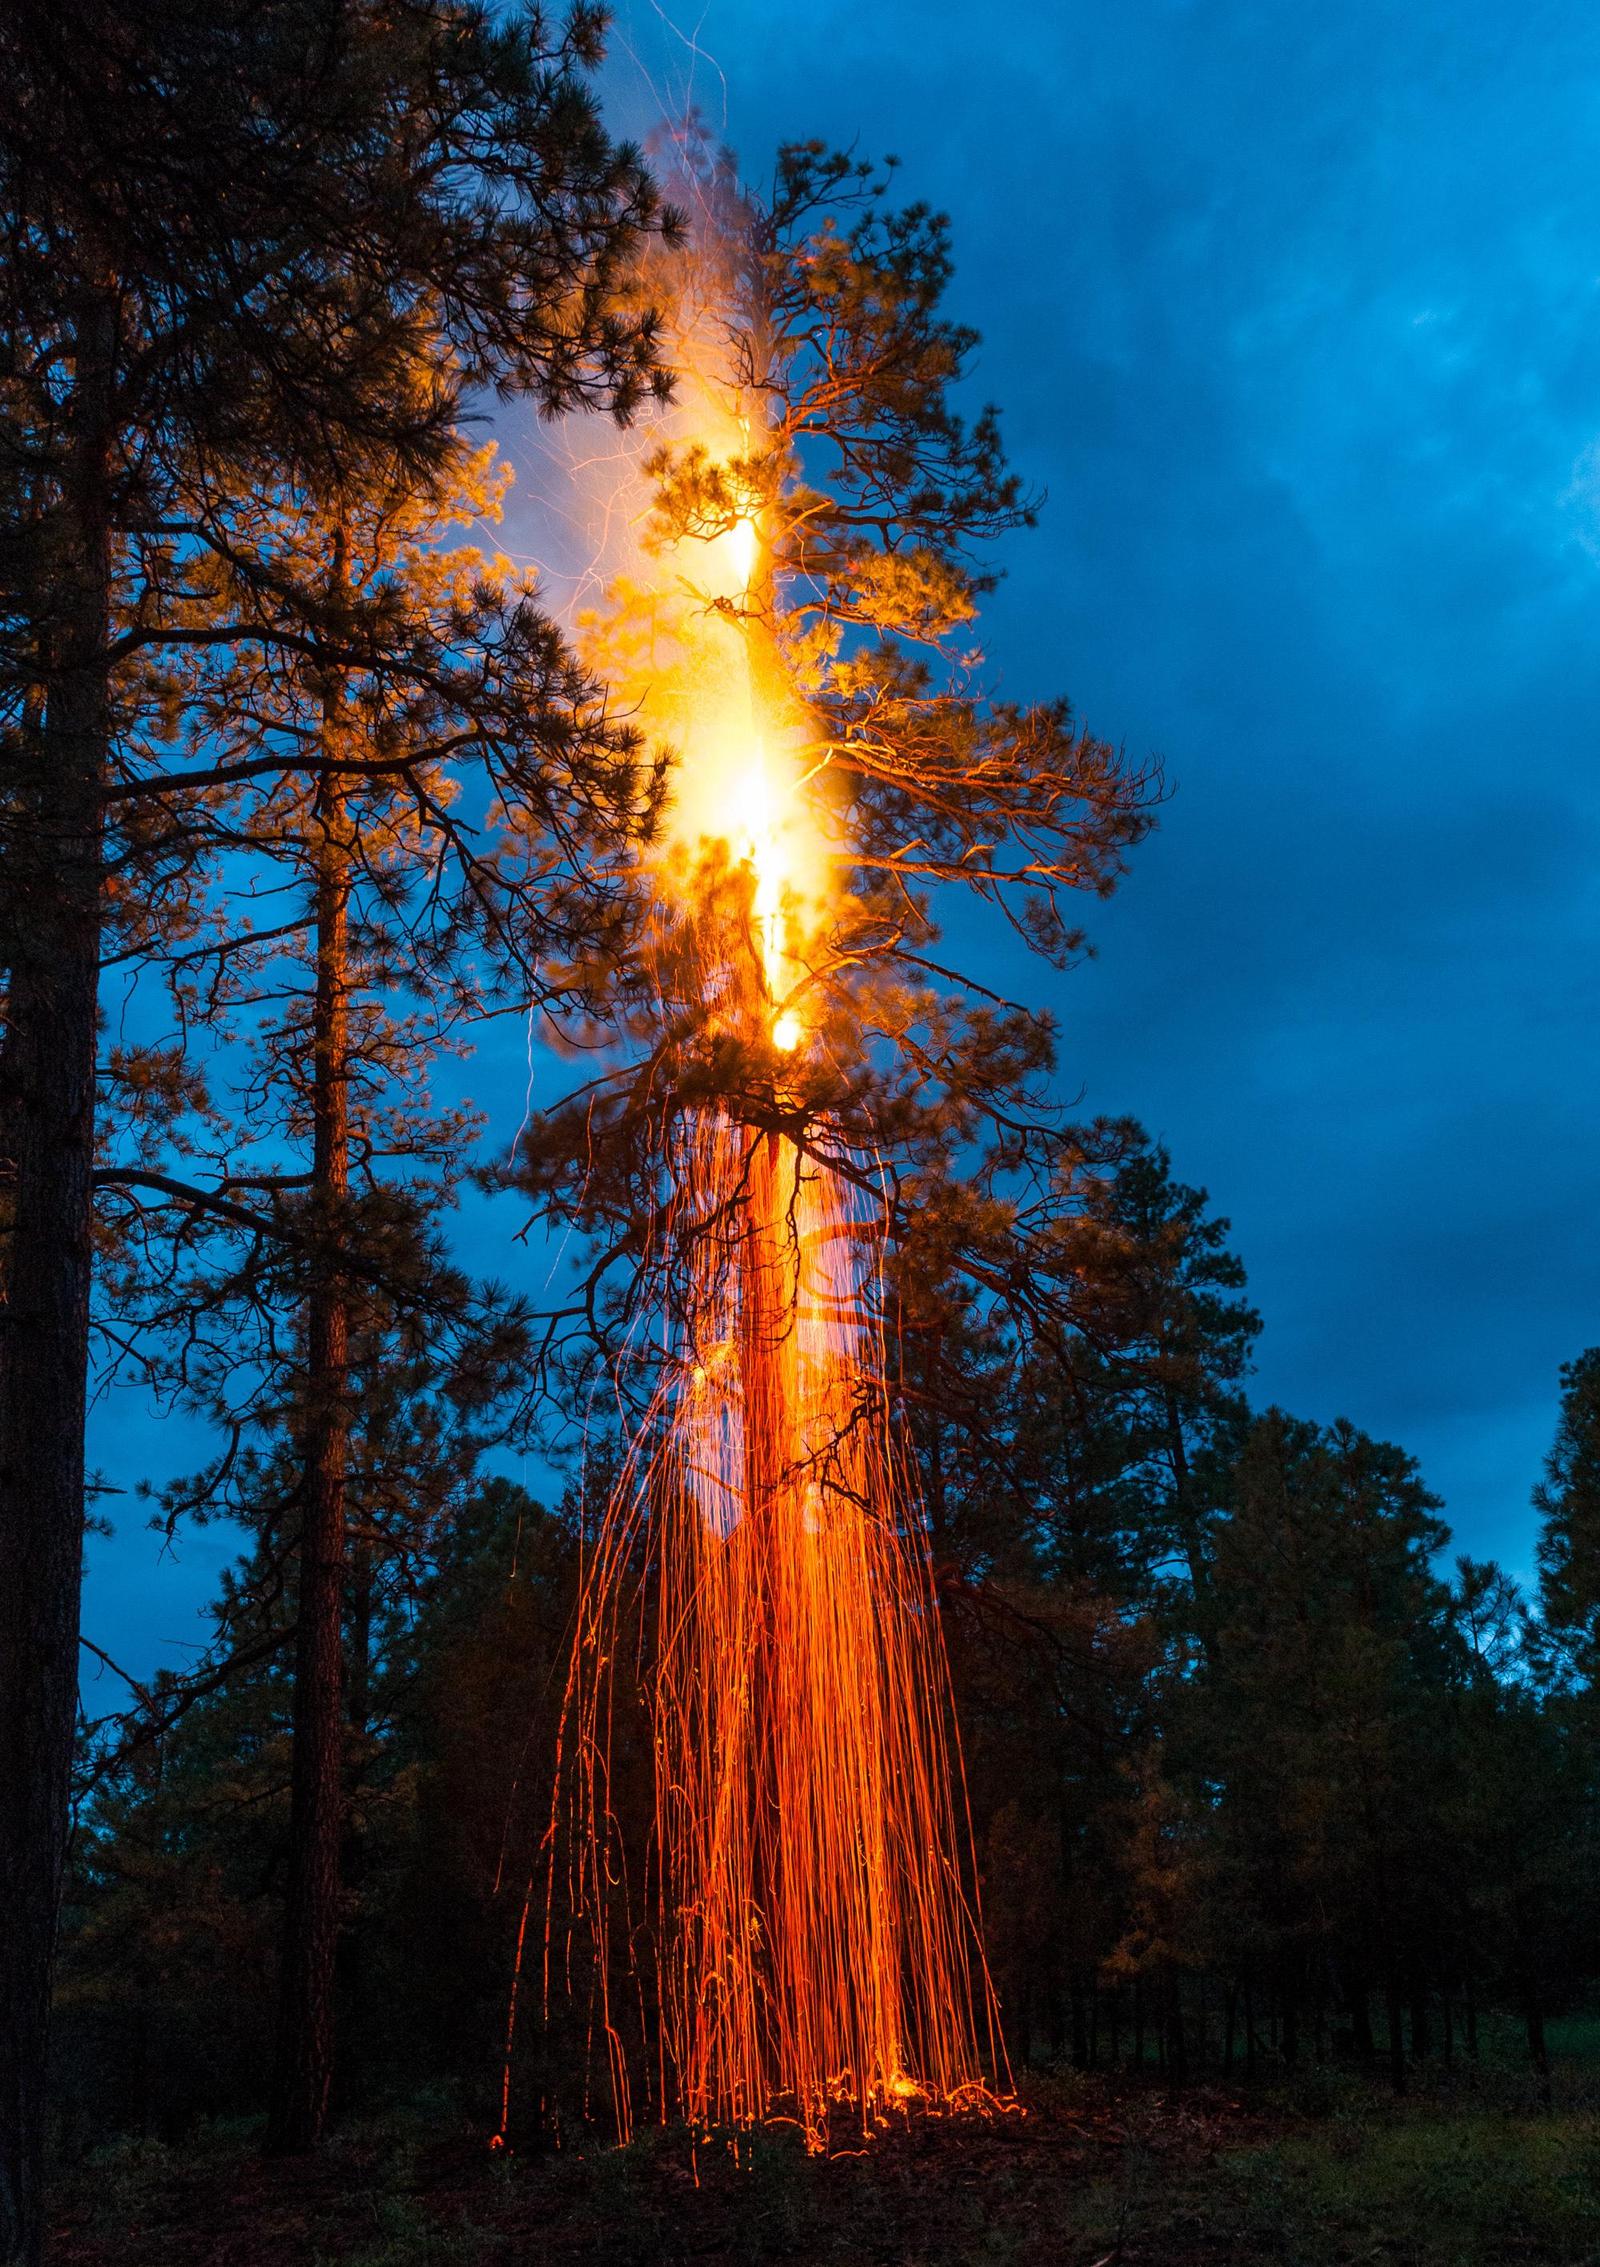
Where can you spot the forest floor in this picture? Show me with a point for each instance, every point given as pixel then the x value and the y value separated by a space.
pixel 1470 2172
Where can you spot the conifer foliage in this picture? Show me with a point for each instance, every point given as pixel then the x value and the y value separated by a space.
pixel 811 320
pixel 1569 1498
pixel 242 245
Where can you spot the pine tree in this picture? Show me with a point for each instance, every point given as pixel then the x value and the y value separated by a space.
pixel 238 242
pixel 1316 1716
pixel 1519 1898
pixel 1125 1413
pixel 434 790
pixel 811 321
pixel 1079 1469
pixel 1185 1345
pixel 166 2007
pixel 1568 1502
pixel 820 380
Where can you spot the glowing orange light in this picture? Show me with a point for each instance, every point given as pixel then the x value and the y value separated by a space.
pixel 744 544
pixel 812 1946
pixel 816 1955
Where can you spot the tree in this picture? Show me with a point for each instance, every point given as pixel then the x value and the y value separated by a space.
pixel 1070 1470
pixel 167 1997
pixel 1316 1716
pixel 1183 1347
pixel 819 360
pixel 1074 1471
pixel 436 791
pixel 238 242
pixel 1555 1758
pixel 1123 1418
pixel 1516 1816
pixel 772 1022
pixel 1568 1502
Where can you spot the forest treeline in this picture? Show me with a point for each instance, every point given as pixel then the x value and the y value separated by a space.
pixel 301 785
pixel 1258 1779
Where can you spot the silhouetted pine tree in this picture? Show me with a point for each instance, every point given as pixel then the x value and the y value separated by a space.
pixel 404 762
pixel 1316 1719
pixel 1568 1502
pixel 225 260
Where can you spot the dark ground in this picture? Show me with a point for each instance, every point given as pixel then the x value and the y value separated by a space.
pixel 1098 2173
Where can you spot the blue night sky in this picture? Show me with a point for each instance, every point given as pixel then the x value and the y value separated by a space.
pixel 1295 314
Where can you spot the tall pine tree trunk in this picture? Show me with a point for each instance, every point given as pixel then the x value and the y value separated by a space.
pixel 350 1966
pixel 1533 2010
pixel 53 940
pixel 304 2067
pixel 1183 1498
pixel 1397 2044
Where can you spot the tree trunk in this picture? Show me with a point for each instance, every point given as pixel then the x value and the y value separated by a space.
pixel 53 925
pixel 768 1290
pixel 1174 2033
pixel 303 2071
pixel 358 1698
pixel 1187 1524
pixel 350 1978
pixel 1361 2025
pixel 1289 2027
pixel 1538 2050
pixel 1397 2043
pixel 1527 1974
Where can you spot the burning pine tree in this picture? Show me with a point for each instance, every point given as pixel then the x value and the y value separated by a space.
pixel 798 1063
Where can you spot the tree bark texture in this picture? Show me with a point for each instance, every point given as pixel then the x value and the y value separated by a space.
pixel 303 2071
pixel 52 927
